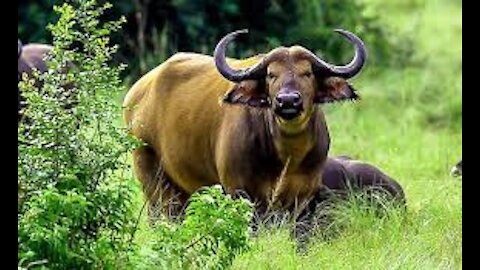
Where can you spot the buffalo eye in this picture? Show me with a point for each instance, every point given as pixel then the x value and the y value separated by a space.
pixel 271 76
pixel 306 74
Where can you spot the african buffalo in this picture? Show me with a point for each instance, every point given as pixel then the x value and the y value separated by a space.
pixel 251 125
pixel 30 56
pixel 343 174
pixel 342 177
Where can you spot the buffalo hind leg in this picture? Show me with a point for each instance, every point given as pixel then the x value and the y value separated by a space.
pixel 161 195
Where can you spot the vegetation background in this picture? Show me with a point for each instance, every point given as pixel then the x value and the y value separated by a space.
pixel 409 121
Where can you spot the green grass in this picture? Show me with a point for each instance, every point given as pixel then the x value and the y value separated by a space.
pixel 408 123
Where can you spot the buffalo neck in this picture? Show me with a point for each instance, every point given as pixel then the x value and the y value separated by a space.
pixel 265 149
pixel 298 149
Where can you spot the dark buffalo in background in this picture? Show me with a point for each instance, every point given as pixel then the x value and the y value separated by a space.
pixel 343 176
pixel 343 173
pixel 30 56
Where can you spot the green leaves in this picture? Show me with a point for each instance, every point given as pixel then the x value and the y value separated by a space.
pixel 75 211
pixel 215 229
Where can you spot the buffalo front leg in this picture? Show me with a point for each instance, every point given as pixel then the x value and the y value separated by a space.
pixel 161 195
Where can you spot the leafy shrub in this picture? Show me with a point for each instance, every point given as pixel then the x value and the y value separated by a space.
pixel 214 231
pixel 75 208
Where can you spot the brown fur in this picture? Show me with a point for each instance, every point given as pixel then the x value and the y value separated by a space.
pixel 201 129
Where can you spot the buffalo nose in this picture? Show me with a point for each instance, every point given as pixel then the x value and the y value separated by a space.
pixel 289 100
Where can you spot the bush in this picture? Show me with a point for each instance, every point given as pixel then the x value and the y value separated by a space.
pixel 75 207
pixel 214 231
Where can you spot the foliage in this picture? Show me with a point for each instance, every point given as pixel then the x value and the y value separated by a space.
pixel 75 207
pixel 215 229
pixel 157 29
pixel 32 20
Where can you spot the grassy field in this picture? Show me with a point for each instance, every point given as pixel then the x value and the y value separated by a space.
pixel 409 124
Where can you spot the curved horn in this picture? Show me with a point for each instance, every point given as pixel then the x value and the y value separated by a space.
pixel 234 75
pixel 352 68
pixel 20 45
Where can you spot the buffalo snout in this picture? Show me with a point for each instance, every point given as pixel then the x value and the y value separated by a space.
pixel 289 105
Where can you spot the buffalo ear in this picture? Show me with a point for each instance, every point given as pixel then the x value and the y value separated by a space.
pixel 333 89
pixel 249 93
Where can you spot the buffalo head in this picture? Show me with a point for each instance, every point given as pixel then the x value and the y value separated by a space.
pixel 290 81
